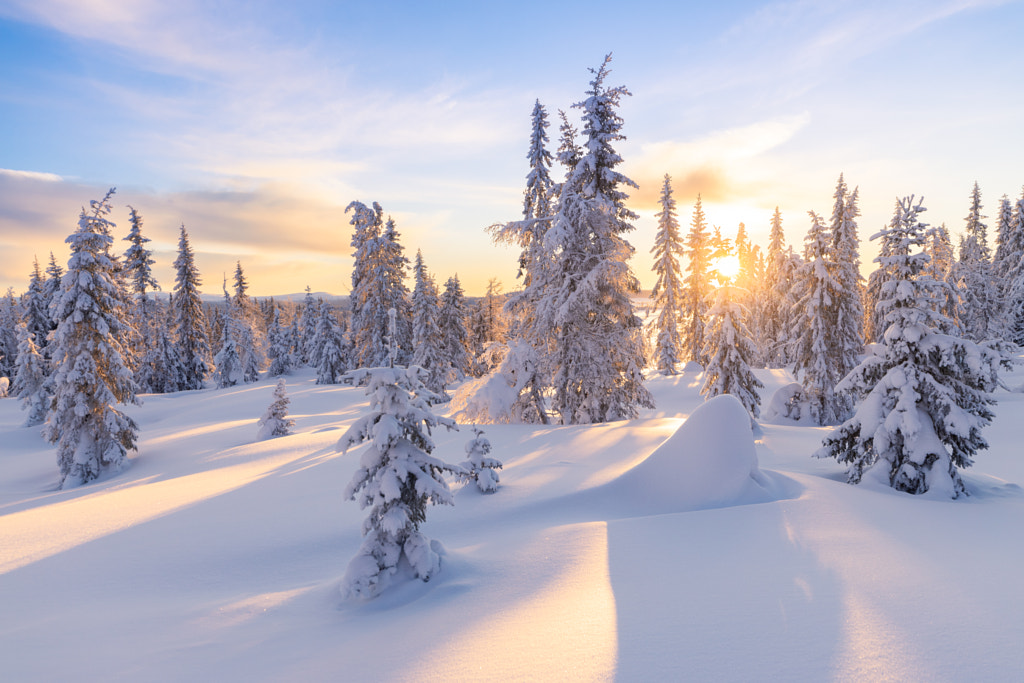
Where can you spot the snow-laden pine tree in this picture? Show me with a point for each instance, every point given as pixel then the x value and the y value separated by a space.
pixel 1006 256
pixel 595 351
pixel 10 317
pixel 817 351
pixel 92 435
pixel 451 321
pixel 35 309
pixel 730 352
pixel 189 318
pixel 249 335
pixel 30 379
pixel 275 421
pixel 330 355
pixel 527 234
pixel 308 320
pixel 773 312
pixel 479 467
pixel 161 370
pixel 51 287
pixel 1007 264
pixel 942 268
pixel 426 336
pixel 397 479
pixel 926 395
pixel 378 285
pixel 1014 286
pixel 698 249
pixel 279 346
pixel 138 273
pixel 848 305
pixel 668 288
pixel 979 291
pixel 228 360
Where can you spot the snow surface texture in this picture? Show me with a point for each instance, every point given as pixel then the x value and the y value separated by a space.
pixel 218 557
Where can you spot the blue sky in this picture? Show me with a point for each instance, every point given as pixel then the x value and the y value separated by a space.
pixel 255 123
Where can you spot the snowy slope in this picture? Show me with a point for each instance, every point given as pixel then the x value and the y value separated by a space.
pixel 217 557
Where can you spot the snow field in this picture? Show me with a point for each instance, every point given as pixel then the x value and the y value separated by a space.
pixel 216 556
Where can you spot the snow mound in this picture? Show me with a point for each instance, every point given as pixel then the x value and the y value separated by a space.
pixel 710 461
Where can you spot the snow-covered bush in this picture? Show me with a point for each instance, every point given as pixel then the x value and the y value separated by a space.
pixel 397 478
pixel 510 393
pixel 480 467
pixel 788 402
pixel 275 421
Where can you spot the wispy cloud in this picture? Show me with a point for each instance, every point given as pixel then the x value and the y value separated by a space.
pixel 30 175
pixel 719 166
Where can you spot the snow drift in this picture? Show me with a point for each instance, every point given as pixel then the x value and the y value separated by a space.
pixel 710 461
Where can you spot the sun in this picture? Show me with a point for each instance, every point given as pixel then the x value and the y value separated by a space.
pixel 727 267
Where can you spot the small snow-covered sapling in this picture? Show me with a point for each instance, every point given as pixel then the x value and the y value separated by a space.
pixel 480 467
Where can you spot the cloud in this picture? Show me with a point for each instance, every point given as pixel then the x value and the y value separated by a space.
pixel 721 166
pixel 31 175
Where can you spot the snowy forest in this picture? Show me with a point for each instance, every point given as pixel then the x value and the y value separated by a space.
pixel 894 376
pixel 924 336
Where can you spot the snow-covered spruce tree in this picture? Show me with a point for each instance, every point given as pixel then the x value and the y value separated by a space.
pixel 979 291
pixel 528 234
pixel 698 249
pixel 730 352
pixel 1007 263
pixel 451 321
pixel 1014 293
pixel 308 320
pixel 537 201
pixel 30 379
pixel 926 397
pixel 330 354
pixel 52 286
pixel 279 346
pixel 138 273
pixel 774 312
pixel 595 353
pixel 848 304
pixel 668 289
pixel 35 308
pixel 378 285
pixel 941 268
pixel 161 370
pixel 10 317
pixel 189 318
pixel 397 478
pixel 275 421
pixel 92 436
pixel 1006 256
pixel 249 335
pixel 426 337
pixel 479 466
pixel 817 351
pixel 228 360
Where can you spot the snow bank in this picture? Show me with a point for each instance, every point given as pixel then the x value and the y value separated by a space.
pixel 709 462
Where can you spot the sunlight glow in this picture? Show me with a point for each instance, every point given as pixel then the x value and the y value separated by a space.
pixel 727 267
pixel 565 629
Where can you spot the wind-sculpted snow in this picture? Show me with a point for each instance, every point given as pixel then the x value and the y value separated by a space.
pixel 710 461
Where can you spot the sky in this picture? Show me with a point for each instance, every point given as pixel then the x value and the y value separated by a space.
pixel 254 124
